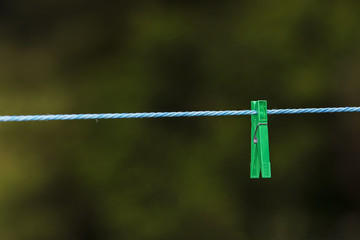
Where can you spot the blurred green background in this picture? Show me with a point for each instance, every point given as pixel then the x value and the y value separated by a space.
pixel 178 178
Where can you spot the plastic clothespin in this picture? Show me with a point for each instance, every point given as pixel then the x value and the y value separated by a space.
pixel 260 156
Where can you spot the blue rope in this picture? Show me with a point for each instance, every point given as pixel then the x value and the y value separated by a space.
pixel 170 114
pixel 314 110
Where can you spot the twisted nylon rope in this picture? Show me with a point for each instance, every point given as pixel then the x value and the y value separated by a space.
pixel 170 114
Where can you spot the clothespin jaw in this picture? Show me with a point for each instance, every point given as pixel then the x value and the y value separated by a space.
pixel 260 155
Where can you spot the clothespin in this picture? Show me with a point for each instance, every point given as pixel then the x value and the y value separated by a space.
pixel 260 156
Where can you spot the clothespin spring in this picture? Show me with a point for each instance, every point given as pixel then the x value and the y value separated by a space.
pixel 257 126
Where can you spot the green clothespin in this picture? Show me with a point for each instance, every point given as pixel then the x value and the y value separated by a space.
pixel 260 156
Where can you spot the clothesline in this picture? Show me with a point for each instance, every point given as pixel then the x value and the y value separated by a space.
pixel 53 117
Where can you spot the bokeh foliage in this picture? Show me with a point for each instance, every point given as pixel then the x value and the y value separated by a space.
pixel 178 178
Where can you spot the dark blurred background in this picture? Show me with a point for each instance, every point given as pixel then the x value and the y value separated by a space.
pixel 178 178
